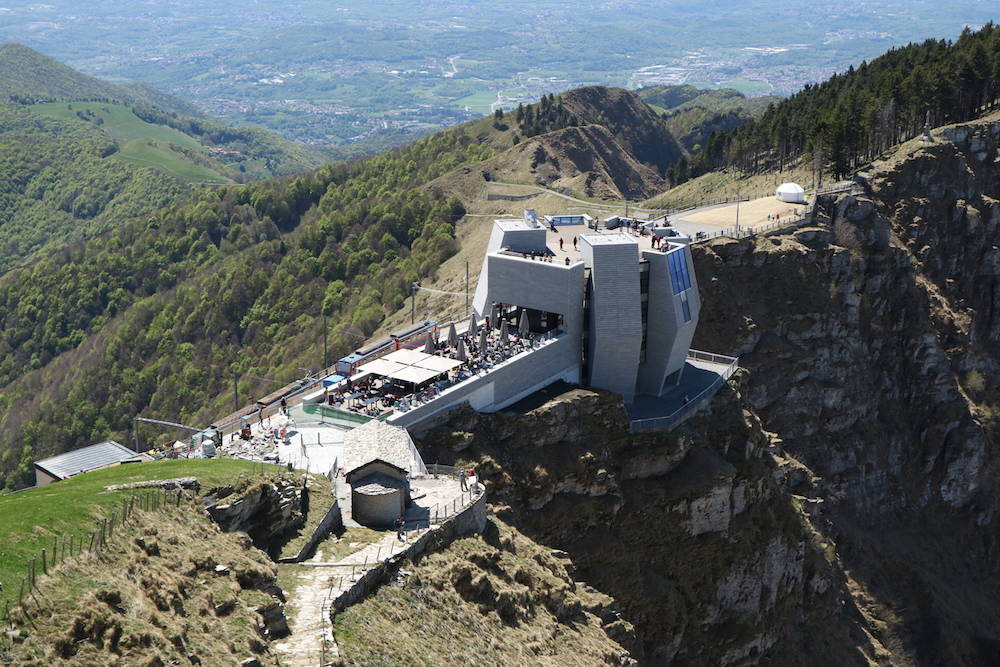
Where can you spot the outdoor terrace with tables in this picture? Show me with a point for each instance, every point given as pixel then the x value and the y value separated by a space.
pixel 405 380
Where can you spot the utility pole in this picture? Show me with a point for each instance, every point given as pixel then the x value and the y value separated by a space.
pixel 466 289
pixel 738 212
pixel 236 393
pixel 326 362
pixel 413 303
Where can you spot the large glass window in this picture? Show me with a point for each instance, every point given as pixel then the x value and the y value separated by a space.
pixel 679 276
pixel 685 307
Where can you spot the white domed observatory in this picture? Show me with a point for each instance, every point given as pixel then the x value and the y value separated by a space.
pixel 791 193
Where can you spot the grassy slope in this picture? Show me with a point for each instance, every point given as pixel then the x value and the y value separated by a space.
pixel 142 143
pixel 29 520
pixel 27 75
pixel 321 499
pixel 499 599
pixel 151 597
pixel 719 185
pixel 118 121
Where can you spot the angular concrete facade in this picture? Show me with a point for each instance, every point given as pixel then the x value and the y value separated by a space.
pixel 669 325
pixel 616 317
pixel 614 341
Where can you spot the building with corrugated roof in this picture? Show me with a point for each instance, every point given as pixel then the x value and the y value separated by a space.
pixel 85 459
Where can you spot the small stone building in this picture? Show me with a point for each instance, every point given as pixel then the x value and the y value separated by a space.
pixel 378 461
pixel 380 492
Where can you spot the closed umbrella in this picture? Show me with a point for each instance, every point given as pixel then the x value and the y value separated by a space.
pixel 473 329
pixel 483 341
pixel 523 327
pixel 429 345
pixel 460 355
pixel 452 335
pixel 504 336
pixel 495 316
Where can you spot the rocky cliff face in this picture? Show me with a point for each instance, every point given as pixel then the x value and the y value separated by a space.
pixel 840 507
pixel 708 558
pixel 873 342
pixel 265 511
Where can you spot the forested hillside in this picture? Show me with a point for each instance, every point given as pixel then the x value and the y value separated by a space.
pixel 28 77
pixel 86 155
pixel 59 180
pixel 854 116
pixel 158 315
pixel 693 115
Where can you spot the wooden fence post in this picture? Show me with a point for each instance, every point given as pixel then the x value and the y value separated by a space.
pixel 45 569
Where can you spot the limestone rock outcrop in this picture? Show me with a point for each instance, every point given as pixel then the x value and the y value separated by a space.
pixel 872 339
pixel 265 511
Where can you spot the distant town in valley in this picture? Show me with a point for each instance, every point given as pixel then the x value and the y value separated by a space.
pixel 309 72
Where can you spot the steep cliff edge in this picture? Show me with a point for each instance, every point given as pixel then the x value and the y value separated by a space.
pixel 873 344
pixel 708 559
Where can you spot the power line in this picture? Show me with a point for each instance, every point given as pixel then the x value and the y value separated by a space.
pixel 440 291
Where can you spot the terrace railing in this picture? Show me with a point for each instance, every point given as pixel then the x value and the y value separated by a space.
pixel 668 422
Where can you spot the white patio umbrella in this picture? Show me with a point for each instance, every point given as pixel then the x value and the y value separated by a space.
pixel 460 354
pixel 429 345
pixel 473 327
pixel 504 336
pixel 452 335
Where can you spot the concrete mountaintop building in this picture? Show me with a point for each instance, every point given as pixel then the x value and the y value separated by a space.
pixel 82 460
pixel 627 313
pixel 564 299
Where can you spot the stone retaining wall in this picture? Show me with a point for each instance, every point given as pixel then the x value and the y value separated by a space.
pixel 467 522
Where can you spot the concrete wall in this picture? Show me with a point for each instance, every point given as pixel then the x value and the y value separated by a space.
pixel 469 521
pixel 552 287
pixel 668 337
pixel 615 339
pixel 42 477
pixel 519 239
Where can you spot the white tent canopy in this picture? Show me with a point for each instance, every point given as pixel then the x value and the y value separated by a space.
pixel 410 366
pixel 793 193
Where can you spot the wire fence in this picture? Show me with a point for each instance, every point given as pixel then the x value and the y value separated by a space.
pixel 95 542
